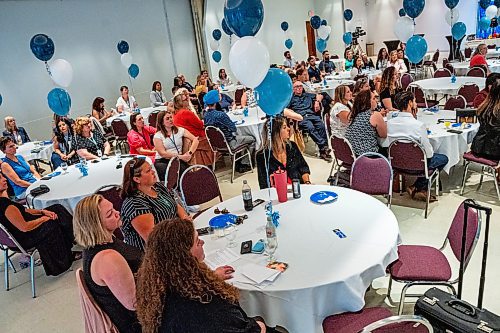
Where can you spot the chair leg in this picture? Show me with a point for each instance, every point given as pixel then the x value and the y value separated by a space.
pixel 428 198
pixel 437 184
pixel 400 184
pixel 402 299
pixel 32 275
pixel 389 288
pixel 494 172
pixel 481 179
pixel 337 176
pixel 213 163
pixel 6 268
pixel 463 179
pixel 331 170
pixel 250 159
pixel 234 162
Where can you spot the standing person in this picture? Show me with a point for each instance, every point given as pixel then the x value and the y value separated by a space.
pixel 326 66
pixel 99 112
pixel 313 71
pixel 126 102
pixel 397 63
pixel 289 61
pixel 223 79
pixel 339 114
pixel 156 96
pixel 63 147
pixel 139 137
pixel 478 59
pixel 382 59
pixel 87 143
pixel 17 134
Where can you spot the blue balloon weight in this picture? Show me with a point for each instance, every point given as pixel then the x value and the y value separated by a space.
pixel 324 22
pixel 275 92
pixel 315 22
pixel 347 38
pixel 1 100
pixel 451 3
pixel 458 30
pixel 217 56
pixel 226 28
pixel 484 3
pixel 484 23
pixel 320 45
pixel 284 25
pixel 413 8
pixel 348 14
pixel 123 47
pixel 217 34
pixel 59 101
pixel 416 48
pixel 42 47
pixel 244 18
pixel 133 70
pixel 289 43
pixel 402 12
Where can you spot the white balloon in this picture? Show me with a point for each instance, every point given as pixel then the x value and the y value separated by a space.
pixel 249 61
pixel 404 28
pixel 452 16
pixel 491 11
pixel 61 72
pixel 214 45
pixel 126 60
pixel 324 31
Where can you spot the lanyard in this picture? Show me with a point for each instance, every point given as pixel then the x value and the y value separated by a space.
pixel 158 96
pixel 91 138
pixel 173 141
pixel 127 101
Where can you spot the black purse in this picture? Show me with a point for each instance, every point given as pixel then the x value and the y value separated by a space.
pixel 39 190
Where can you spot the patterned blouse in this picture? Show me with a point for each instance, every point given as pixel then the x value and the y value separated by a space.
pixel 93 143
pixel 362 135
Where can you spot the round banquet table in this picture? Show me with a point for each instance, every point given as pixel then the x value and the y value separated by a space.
pixel 443 85
pixel 330 86
pixel 346 75
pixel 68 189
pixel 493 53
pixel 26 151
pixel 461 68
pixel 326 274
pixel 125 116
pixel 252 125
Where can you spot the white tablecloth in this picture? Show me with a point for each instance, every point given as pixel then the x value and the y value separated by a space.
pixel 443 85
pixel 316 88
pixel 346 75
pixel 126 115
pixel 231 89
pixel 326 275
pixel 25 151
pixel 461 68
pixel 493 53
pixel 253 123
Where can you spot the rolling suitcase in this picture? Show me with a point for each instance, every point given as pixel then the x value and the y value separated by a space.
pixel 448 313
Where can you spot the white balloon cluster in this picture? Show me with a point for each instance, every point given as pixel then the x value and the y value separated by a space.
pixel 404 28
pixel 126 60
pixel 452 16
pixel 61 72
pixel 249 61
pixel 324 31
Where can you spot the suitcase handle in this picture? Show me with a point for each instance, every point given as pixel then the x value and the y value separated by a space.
pixel 463 307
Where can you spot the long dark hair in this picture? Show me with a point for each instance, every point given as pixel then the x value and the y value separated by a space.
pixel 490 108
pixel 132 169
pixel 154 85
pixel 220 74
pixel 59 134
pixel 362 103
pixel 133 118
pixel 386 82
pixel 97 103
pixel 380 55
pixel 161 126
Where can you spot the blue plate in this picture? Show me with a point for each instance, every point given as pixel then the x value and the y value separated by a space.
pixel 221 221
pixel 54 174
pixel 47 142
pixel 456 125
pixel 324 197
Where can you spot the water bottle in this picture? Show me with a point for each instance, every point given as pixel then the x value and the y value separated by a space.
pixel 324 81
pixel 271 243
pixel 246 193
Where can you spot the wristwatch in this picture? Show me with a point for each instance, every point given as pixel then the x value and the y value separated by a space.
pixel 190 152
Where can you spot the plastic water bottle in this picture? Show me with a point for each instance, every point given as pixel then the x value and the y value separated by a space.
pixel 246 193
pixel 324 82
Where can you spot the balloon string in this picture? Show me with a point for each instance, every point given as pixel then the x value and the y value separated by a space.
pixel 47 67
pixel 267 159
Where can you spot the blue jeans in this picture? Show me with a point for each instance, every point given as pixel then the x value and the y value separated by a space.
pixel 313 125
pixel 437 161
pixel 56 160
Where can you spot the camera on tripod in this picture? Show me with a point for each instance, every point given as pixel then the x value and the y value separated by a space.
pixel 356 34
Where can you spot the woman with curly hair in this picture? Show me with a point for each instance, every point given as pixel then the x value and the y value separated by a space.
pixel 178 292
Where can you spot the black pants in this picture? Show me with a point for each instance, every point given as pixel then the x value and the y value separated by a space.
pixel 161 165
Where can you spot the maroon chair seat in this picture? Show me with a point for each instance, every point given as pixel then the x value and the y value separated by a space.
pixel 418 262
pixel 476 72
pixel 172 173
pixel 422 101
pixel 343 154
pixel 469 92
pixel 350 322
pixel 405 80
pixel 198 185
pixel 488 168
pixel 455 102
pixel 112 193
pixel 152 119
pixel 481 160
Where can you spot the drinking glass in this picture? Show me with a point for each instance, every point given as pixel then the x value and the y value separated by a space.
pixel 270 246
pixel 118 153
pixel 230 232
pixel 64 166
pixel 447 124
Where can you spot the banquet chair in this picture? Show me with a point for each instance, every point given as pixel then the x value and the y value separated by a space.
pixel 430 65
pixel 98 126
pixel 488 168
pixel 328 125
pixel 455 102
pixel 112 193
pixel 450 67
pixel 172 173
pixel 371 173
pixel 153 116
pixel 218 143
pixel 238 94
pixel 469 92
pixel 467 52
pixel 421 99
pixel 427 265
pixel 408 157
pixel 335 56
pixel 198 185
pixel 344 157
pixel 476 72
pixel 376 319
pixel 405 80
pixel 492 46
pixel 9 243
pixel 442 72
pixel 120 130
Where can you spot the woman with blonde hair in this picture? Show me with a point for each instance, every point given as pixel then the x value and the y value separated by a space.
pixel 397 63
pixel 17 134
pixel 178 293
pixel 89 144
pixel 109 264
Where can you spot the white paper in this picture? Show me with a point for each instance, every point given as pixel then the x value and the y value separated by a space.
pixel 258 274
pixel 220 258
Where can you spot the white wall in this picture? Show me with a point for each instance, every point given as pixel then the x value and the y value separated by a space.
pixel 86 34
pixel 331 10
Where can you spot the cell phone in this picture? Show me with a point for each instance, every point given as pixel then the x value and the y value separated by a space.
pixel 454 131
pixel 203 231
pixel 258 247
pixel 257 202
pixel 46 178
pixel 95 161
pixel 246 247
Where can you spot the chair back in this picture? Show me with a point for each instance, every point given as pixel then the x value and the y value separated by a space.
pixel 403 323
pixel 96 125
pixel 442 72
pixel 455 102
pixel 466 115
pixel 328 125
pixel 419 96
pixel 7 240
pixel 152 118
pixel 450 67
pixel 476 72
pixel 492 46
pixel 238 94
pixel 468 52
pixel 445 61
pixel 342 151
pixel 435 57
pixel 405 80
pixel 216 140
pixel 469 92
pixel 408 156
pixel 335 56
pixel 172 173
pixel 371 173
pixel 112 194
pixel 455 232
pixel 199 185
pixel 120 129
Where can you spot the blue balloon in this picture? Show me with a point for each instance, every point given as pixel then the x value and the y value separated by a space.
pixel 413 8
pixel 275 92
pixel 458 30
pixel 123 47
pixel 133 70
pixel 217 56
pixel 484 23
pixel 289 43
pixel 348 14
pixel 484 3
pixel 416 48
pixel 284 25
pixel 451 3
pixel 324 22
pixel 244 18
pixel 42 47
pixel 402 12
pixel 320 45
pixel 226 28
pixel 59 101
pixel 315 22
pixel 217 34
pixel 347 38
pixel 1 100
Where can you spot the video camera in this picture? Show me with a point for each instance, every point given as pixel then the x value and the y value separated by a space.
pixel 356 34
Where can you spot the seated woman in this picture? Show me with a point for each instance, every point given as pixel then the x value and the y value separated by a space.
pixel 339 114
pixel 139 137
pixel 146 202
pixel 174 286
pixel 19 173
pixel 109 264
pixel 157 97
pixel 382 59
pixel 389 87
pixel 366 124
pixel 349 60
pixel 17 134
pixel 357 68
pixel 63 148
pixel 49 230
pixel 169 141
pixel 99 112
pixel 87 143
pixel 201 85
pixel 224 79
pixel 397 63
pixel 126 102
pixel 367 62
pixel 285 154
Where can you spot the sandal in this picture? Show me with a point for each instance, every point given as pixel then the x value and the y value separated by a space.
pixel 411 190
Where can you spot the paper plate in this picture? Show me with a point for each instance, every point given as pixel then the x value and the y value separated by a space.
pixel 221 221
pixel 324 197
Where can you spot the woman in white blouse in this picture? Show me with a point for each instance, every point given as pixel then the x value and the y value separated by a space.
pixel 224 79
pixel 126 102
pixel 399 64
pixel 339 114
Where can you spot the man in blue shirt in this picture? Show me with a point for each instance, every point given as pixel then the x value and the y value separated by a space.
pixel 326 65
pixel 313 71
pixel 307 105
pixel 222 121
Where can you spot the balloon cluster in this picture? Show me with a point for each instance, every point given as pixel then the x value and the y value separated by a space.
pixel 214 45
pixel 491 11
pixel 288 40
pixel 59 70
pixel 458 29
pixel 347 37
pixel 323 31
pixel 127 60
pixel 404 29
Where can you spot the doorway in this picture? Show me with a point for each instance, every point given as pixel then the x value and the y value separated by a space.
pixel 311 39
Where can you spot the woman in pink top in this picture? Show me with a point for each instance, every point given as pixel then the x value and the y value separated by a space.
pixel 139 137
pixel 399 64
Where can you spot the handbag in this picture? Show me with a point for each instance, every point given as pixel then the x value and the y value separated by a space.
pixel 39 190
